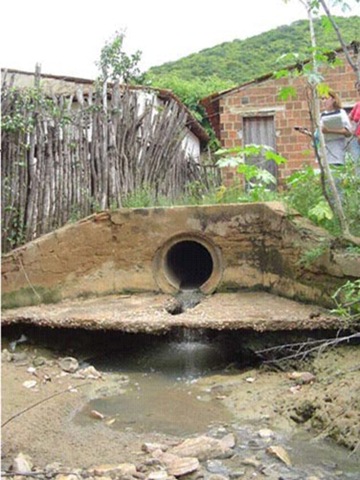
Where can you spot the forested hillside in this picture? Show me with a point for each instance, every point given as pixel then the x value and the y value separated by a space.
pixel 242 60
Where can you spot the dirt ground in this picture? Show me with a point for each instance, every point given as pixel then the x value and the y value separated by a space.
pixel 322 396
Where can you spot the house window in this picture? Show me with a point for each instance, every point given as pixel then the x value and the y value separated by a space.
pixel 260 130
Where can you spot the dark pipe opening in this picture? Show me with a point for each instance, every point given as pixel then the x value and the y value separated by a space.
pixel 189 264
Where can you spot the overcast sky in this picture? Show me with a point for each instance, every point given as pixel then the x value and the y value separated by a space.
pixel 66 36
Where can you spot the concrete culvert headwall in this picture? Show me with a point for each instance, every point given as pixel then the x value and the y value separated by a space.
pixel 212 248
pixel 188 264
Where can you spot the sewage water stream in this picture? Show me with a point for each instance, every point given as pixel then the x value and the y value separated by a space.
pixel 173 385
pixel 164 392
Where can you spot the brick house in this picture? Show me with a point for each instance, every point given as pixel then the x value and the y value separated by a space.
pixel 252 113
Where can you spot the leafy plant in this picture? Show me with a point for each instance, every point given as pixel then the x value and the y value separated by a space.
pixel 303 192
pixel 225 195
pixel 310 256
pixel 347 300
pixel 258 181
pixel 321 212
pixel 350 180
pixel 140 198
pixel 353 249
pixel 14 232
pixel 235 156
pixel 115 63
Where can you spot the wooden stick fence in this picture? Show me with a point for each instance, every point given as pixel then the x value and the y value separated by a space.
pixel 65 157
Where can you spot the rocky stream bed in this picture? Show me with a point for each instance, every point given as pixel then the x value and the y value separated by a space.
pixel 297 419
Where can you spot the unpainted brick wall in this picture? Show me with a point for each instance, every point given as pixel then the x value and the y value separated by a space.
pixel 261 98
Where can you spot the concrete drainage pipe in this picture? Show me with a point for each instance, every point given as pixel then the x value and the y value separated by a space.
pixel 188 261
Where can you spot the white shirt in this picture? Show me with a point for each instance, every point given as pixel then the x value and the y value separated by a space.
pixel 345 123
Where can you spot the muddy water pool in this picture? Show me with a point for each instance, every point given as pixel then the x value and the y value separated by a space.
pixel 161 393
pixel 165 390
pixel 165 384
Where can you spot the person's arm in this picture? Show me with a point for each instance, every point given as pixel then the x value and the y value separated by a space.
pixel 345 130
pixel 354 117
pixel 339 131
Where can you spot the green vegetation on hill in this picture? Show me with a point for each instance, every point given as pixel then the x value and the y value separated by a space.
pixel 242 60
pixel 232 63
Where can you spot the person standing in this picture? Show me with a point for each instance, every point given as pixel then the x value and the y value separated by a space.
pixel 336 127
pixel 354 145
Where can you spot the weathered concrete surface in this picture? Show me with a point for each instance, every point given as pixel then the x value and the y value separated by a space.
pixel 252 246
pixel 147 313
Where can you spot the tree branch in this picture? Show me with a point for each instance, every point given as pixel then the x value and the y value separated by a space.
pixel 353 65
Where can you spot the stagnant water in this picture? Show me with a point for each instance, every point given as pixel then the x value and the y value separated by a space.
pixel 160 393
pixel 163 396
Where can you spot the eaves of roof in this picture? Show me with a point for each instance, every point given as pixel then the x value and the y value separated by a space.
pixel 192 124
pixel 217 95
pixel 206 101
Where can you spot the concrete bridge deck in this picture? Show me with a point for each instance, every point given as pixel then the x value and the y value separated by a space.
pixel 148 313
